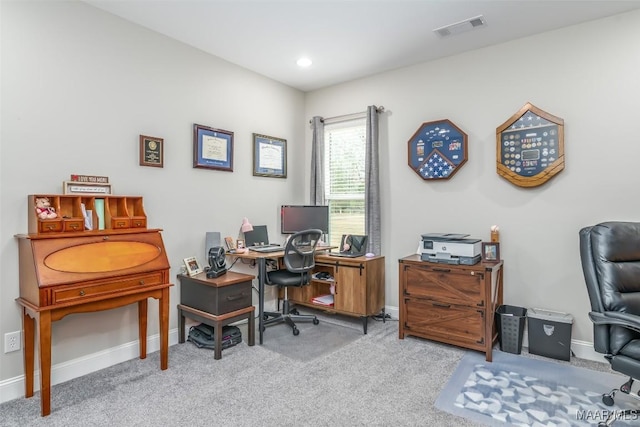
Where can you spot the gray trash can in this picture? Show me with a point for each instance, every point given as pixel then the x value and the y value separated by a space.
pixel 549 333
pixel 510 321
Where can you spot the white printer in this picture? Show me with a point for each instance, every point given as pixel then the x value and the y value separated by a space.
pixel 450 248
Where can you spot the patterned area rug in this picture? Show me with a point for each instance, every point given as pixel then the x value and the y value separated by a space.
pixel 520 391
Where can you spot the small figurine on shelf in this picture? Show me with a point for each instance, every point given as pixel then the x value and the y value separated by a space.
pixel 44 210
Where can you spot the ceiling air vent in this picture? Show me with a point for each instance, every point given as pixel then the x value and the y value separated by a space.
pixel 461 27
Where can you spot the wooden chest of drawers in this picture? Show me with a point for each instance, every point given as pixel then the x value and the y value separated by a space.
pixel 453 304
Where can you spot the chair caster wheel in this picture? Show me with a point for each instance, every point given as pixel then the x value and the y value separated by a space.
pixel 296 331
pixel 607 399
pixel 315 321
pixel 294 311
pixel 265 317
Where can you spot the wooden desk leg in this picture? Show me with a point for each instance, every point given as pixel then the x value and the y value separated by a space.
pixel 45 361
pixel 28 324
pixel 217 339
pixel 180 326
pixel 163 308
pixel 252 328
pixel 142 327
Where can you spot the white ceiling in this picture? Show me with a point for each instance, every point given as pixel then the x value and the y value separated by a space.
pixel 347 39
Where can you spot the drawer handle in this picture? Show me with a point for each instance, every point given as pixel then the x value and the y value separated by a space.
pixel 74 226
pixel 81 293
pixel 105 238
pixel 439 304
pixel 235 298
pixel 50 227
pixel 141 282
pixel 444 270
pixel 120 224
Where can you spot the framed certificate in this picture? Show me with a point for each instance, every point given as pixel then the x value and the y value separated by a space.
pixel 530 147
pixel 212 148
pixel 269 156
pixel 437 150
pixel 151 151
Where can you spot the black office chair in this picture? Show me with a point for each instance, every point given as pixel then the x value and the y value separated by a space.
pixel 299 260
pixel 610 254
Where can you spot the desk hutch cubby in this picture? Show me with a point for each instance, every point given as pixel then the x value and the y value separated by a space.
pixel 120 212
pixel 65 268
pixel 358 285
pixel 453 304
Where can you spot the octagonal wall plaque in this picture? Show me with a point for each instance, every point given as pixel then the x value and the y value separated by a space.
pixel 530 147
pixel 437 150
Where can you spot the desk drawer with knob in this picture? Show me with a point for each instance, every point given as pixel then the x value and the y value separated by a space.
pixel 72 293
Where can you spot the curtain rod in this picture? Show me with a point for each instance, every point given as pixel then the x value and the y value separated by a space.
pixel 344 117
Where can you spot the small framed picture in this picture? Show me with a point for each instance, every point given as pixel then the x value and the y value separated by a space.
pixel 193 266
pixel 212 148
pixel 490 252
pixel 269 156
pixel 151 151
pixel 240 244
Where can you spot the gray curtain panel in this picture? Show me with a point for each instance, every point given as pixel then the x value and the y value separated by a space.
pixel 372 183
pixel 317 162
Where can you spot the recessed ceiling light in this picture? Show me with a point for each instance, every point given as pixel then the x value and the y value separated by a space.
pixel 304 62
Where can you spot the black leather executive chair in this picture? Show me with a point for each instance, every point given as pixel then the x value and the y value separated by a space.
pixel 299 260
pixel 610 254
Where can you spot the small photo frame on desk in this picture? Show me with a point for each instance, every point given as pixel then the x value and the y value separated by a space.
pixel 212 148
pixel 490 252
pixel 269 156
pixel 193 266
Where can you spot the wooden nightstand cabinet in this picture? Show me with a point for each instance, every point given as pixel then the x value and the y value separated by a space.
pixel 453 304
pixel 216 302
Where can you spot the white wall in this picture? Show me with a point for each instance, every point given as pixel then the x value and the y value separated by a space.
pixel 78 88
pixel 587 75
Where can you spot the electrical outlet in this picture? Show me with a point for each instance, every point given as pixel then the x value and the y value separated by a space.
pixel 12 341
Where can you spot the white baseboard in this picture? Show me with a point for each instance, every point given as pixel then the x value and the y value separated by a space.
pixel 14 388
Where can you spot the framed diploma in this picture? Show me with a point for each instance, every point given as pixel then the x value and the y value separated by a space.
pixel 212 148
pixel 151 151
pixel 437 150
pixel 269 156
pixel 530 147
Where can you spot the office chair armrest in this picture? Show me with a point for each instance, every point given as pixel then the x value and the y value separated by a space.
pixel 630 321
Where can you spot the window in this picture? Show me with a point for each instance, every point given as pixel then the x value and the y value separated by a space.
pixel 345 147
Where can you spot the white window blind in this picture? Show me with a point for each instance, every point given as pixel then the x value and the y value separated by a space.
pixel 345 145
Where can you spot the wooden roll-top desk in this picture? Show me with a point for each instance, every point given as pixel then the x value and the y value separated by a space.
pixel 66 269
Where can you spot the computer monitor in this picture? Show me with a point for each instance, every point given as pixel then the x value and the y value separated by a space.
pixel 294 218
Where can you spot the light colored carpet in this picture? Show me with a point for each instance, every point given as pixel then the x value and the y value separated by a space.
pixel 521 391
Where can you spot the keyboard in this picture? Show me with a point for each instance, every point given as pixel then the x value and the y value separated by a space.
pixel 344 254
pixel 266 249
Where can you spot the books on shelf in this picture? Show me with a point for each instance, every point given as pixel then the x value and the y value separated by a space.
pixel 323 300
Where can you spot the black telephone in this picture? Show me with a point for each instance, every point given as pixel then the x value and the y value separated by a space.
pixel 217 263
